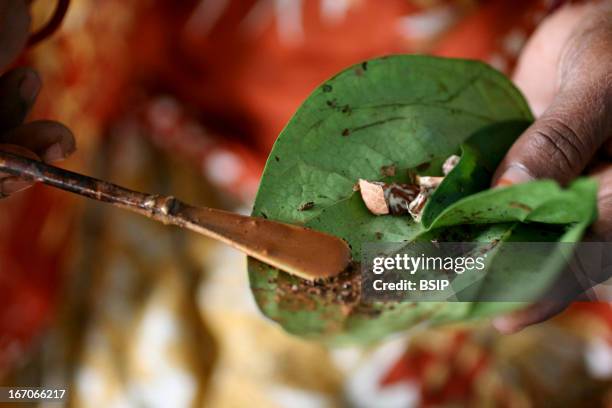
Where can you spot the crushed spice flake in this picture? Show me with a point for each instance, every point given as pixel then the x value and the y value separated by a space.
pixel 343 289
pixel 382 198
pixel 402 198
pixel 416 206
pixel 306 206
pixel 449 164
pixel 429 182
pixel 399 197
pixel 373 196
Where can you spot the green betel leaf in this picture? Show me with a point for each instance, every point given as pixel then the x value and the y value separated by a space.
pixel 480 155
pixel 406 113
pixel 538 201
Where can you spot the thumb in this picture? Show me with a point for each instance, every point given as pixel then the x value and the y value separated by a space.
pixel 561 143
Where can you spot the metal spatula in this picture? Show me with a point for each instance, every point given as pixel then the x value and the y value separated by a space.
pixel 300 251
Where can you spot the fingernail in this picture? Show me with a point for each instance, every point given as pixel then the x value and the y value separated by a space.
pixel 14 185
pixel 505 325
pixel 514 174
pixel 54 153
pixel 29 86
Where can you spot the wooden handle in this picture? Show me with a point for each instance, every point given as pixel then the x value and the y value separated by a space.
pixel 306 253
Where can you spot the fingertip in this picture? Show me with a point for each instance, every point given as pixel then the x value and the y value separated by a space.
pixel 535 313
pixel 60 150
pixel 54 153
pixel 18 150
pixel 51 140
pixel 66 144
pixel 12 185
pixel 506 324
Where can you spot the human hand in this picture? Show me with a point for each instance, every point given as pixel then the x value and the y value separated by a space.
pixel 565 72
pixel 46 140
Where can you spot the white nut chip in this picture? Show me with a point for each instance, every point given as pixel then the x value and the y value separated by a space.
pixel 373 196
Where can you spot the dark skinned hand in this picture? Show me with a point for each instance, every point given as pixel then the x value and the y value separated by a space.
pixel 565 72
pixel 43 140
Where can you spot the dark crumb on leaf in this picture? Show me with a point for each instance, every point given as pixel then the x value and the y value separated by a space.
pixel 306 206
pixel 521 206
pixel 327 88
pixel 364 65
pixel 276 158
pixel 343 289
pixel 379 235
pixel 388 171
pixel 423 166
pixel 346 132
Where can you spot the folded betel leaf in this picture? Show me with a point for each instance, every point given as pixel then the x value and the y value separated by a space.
pixel 404 128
